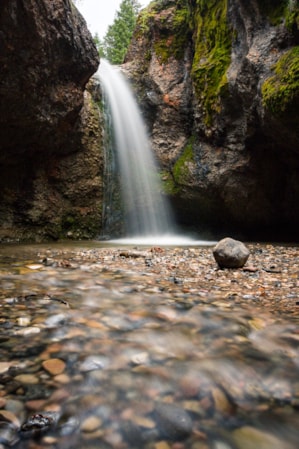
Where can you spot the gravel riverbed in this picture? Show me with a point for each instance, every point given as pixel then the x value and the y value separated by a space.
pixel 148 347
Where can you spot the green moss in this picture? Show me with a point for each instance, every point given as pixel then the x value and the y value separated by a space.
pixel 168 185
pixel 213 40
pixel 145 19
pixel 181 169
pixel 173 39
pixel 170 36
pixel 280 93
pixel 292 16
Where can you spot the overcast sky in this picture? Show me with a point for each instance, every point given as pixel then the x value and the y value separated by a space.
pixel 100 13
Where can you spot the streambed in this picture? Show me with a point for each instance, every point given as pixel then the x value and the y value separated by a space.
pixel 148 347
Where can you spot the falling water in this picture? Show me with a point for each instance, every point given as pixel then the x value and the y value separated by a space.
pixel 147 213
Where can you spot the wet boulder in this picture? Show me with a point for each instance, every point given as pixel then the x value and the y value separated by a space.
pixel 230 253
pixel 173 422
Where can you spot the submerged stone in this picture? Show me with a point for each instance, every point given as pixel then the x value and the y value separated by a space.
pixel 174 422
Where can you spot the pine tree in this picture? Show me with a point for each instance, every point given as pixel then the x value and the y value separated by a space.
pixel 99 44
pixel 119 34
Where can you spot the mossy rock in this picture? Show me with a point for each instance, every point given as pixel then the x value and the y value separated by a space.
pixel 173 35
pixel 181 170
pixel 168 183
pixel 280 93
pixel 213 41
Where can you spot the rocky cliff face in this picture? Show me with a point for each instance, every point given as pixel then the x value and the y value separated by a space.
pixel 218 84
pixel 50 163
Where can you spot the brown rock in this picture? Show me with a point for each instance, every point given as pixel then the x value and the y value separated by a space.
pixel 91 424
pixel 54 366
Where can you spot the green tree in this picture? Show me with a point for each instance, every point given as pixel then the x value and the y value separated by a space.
pixel 99 44
pixel 119 34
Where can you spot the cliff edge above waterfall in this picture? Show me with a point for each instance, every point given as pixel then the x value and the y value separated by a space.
pixel 218 84
pixel 49 170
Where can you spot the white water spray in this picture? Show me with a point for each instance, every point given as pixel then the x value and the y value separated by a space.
pixel 148 215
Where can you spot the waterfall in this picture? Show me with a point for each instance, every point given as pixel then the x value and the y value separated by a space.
pixel 147 213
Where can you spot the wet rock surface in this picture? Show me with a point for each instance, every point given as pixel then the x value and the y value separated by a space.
pixel 101 348
pixel 50 133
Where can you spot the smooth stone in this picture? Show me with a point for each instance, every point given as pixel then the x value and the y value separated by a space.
pixel 54 366
pixel 248 437
pixel 35 404
pixel 62 379
pixel 27 379
pixel 8 416
pixel 162 445
pixel 221 401
pixel 27 331
pixel 144 422
pixel 91 424
pixel 23 321
pixel 49 440
pixel 4 367
pixel 141 358
pixel 14 406
pixel 174 422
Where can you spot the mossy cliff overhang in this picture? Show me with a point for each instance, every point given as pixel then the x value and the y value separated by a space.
pixel 47 56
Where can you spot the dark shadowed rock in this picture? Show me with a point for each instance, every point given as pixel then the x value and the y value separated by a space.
pixel 50 162
pixel 173 422
pixel 230 253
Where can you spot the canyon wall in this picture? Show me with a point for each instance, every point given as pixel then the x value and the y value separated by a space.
pixel 218 85
pixel 217 82
pixel 50 160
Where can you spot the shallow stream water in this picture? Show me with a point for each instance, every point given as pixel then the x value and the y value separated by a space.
pixel 150 347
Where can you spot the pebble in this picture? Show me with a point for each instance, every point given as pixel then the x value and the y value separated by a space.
pixel 4 367
pixel 222 404
pixel 49 440
pixel 140 359
pixel 27 379
pixel 54 366
pixel 28 331
pixel 248 437
pixel 62 379
pixel 91 424
pixel 162 445
pixel 8 416
pixel 23 321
